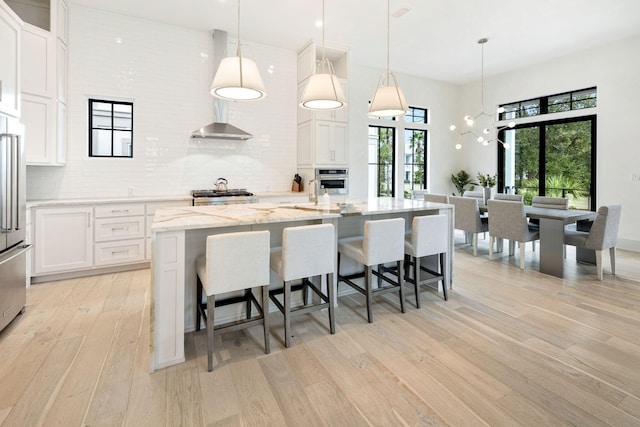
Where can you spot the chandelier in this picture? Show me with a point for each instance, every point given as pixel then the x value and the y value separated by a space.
pixel 488 133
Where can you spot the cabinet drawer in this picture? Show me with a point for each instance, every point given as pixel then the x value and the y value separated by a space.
pixel 108 229
pixel 119 252
pixel 110 211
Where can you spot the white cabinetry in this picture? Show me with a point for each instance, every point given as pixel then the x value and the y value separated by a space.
pixel 73 241
pixel 10 41
pixel 44 77
pixel 322 135
pixel 119 234
pixel 63 239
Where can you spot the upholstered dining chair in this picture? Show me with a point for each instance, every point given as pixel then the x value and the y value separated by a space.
pixel 436 198
pixel 477 195
pixel 467 218
pixel 603 235
pixel 510 197
pixel 508 220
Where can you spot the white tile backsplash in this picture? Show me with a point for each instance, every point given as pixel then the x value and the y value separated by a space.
pixel 166 71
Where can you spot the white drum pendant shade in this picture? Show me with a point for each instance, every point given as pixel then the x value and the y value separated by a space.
pixel 323 92
pixel 388 100
pixel 238 78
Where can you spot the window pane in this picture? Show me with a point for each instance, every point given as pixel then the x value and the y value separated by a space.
pixel 121 144
pixel 559 103
pixel 381 149
pixel 122 123
pixel 530 108
pixel 414 161
pixel 526 170
pixel 101 143
pixel 584 99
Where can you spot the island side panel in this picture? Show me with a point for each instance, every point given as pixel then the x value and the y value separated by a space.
pixel 167 304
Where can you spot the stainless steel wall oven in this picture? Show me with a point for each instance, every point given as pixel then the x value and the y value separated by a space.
pixel 335 181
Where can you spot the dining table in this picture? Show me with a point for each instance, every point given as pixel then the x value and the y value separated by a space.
pixel 552 224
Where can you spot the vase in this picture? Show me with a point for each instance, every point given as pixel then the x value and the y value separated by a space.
pixel 487 194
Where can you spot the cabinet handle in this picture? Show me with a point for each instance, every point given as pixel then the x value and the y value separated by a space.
pixel 120 252
pixel 119 210
pixel 119 228
pixel 88 219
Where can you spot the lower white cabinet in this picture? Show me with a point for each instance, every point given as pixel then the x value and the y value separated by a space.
pixel 71 239
pixel 63 239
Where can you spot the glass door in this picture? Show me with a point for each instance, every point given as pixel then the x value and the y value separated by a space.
pixel 555 158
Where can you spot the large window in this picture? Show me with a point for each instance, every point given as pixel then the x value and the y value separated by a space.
pixel 551 158
pixel 561 102
pixel 110 128
pixel 398 166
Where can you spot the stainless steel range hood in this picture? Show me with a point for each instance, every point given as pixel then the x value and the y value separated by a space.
pixel 220 129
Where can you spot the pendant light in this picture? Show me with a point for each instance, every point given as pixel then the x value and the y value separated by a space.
pixel 388 99
pixel 323 92
pixel 238 78
pixel 470 121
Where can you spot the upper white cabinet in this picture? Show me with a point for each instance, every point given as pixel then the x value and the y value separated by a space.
pixel 322 135
pixel 44 78
pixel 10 41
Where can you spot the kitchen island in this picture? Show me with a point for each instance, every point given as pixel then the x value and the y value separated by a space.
pixel 179 237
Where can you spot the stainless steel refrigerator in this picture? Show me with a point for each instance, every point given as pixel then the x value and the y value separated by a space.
pixel 13 250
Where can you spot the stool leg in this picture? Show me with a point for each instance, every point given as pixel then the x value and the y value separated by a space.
pixel 247 295
pixel 287 314
pixel 369 292
pixel 211 305
pixel 400 266
pixel 443 257
pixel 416 277
pixel 332 300
pixel 198 303
pixel 265 318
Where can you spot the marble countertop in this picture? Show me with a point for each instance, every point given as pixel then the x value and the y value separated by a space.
pixel 198 217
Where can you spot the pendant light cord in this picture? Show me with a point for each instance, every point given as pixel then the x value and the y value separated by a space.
pixel 238 49
pixel 388 24
pixel 482 78
pixel 323 22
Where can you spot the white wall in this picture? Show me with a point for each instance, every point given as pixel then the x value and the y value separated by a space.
pixel 161 68
pixel 614 69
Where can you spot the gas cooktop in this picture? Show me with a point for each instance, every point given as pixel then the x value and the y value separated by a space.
pixel 221 193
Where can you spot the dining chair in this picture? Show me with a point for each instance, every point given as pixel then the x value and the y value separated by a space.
pixel 477 195
pixel 602 235
pixel 234 264
pixel 307 251
pixel 510 197
pixel 508 220
pixel 429 236
pixel 383 242
pixel 436 198
pixel 468 219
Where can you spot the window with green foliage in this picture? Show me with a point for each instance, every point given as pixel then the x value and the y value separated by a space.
pixel 398 168
pixel 567 101
pixel 551 158
pixel 381 161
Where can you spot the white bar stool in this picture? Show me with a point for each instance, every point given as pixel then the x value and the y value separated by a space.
pixel 307 251
pixel 428 237
pixel 233 262
pixel 383 242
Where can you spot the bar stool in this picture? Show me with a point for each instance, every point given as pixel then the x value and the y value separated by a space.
pixel 428 237
pixel 307 251
pixel 233 262
pixel 383 242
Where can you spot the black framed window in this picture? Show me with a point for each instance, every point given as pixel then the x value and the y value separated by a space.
pixel 381 159
pixel 110 128
pixel 557 103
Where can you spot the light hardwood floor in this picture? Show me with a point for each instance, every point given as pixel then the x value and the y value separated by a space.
pixel 509 348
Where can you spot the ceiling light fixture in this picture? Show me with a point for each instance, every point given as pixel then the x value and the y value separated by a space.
pixel 388 99
pixel 484 135
pixel 323 91
pixel 238 78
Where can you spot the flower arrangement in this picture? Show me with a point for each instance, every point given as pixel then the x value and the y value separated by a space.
pixel 487 180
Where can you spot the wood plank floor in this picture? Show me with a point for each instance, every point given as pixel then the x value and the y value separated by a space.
pixel 509 348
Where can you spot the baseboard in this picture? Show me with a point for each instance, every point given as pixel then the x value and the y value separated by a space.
pixel 87 273
pixel 629 245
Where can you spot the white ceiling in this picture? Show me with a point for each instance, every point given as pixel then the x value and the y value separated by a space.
pixel 435 39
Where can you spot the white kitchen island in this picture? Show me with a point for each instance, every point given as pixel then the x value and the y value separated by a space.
pixel 179 237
